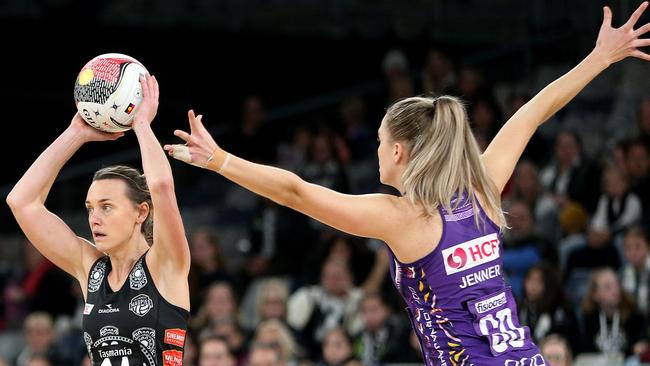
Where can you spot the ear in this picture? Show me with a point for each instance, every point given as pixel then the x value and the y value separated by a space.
pixel 399 153
pixel 143 212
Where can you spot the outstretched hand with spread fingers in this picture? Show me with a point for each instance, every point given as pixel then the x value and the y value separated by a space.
pixel 199 146
pixel 615 44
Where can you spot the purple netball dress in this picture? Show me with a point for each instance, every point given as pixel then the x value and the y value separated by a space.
pixel 458 302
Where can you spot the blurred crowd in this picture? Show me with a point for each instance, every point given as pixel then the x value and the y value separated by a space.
pixel 577 255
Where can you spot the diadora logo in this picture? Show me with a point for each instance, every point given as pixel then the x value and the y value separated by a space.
pixel 109 309
pixel 471 253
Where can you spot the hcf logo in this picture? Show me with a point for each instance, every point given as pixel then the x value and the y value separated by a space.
pixel 471 253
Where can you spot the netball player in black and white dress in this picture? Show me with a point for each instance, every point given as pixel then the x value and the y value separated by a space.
pixel 134 276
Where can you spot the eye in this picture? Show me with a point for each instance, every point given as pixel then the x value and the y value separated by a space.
pixel 107 208
pixel 89 210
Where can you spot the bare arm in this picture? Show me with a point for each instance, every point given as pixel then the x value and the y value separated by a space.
pixel 362 215
pixel 612 45
pixel 170 244
pixel 49 234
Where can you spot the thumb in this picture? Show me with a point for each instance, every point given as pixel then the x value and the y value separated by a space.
pixel 607 17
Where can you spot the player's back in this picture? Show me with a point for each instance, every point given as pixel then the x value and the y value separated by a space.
pixel 458 302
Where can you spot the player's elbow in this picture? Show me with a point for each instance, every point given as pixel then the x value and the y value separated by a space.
pixel 162 185
pixel 290 196
pixel 15 201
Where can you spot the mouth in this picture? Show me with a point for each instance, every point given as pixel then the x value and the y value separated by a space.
pixel 98 235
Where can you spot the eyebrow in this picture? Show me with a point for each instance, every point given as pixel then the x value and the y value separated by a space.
pixel 101 200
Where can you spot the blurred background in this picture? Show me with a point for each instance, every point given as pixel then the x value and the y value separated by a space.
pixel 303 84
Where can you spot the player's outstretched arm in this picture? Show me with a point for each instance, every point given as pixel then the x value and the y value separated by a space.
pixel 362 215
pixel 612 45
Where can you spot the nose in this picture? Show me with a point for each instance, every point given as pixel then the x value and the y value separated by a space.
pixel 94 219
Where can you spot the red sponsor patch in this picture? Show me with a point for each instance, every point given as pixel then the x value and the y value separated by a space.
pixel 172 358
pixel 175 337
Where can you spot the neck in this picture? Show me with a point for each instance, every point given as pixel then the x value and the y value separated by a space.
pixel 609 310
pixel 124 257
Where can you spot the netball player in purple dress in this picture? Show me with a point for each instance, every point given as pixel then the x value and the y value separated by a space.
pixel 444 230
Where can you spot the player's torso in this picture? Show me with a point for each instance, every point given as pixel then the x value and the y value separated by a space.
pixel 457 298
pixel 133 325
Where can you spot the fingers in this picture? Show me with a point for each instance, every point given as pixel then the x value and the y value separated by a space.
pixel 144 86
pixel 183 135
pixel 641 55
pixel 180 152
pixel 642 30
pixel 156 88
pixel 195 122
pixel 641 42
pixel 607 17
pixel 149 86
pixel 636 15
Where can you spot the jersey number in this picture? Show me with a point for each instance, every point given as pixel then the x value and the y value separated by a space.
pixel 501 331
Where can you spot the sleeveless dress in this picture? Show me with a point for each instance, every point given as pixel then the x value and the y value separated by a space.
pixel 459 304
pixel 134 325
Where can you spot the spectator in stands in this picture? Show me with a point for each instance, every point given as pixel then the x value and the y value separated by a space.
pixel 337 348
pixel 220 303
pixel 272 301
pixel 190 350
pixel 214 351
pixel 556 350
pixel 40 340
pixel 32 287
pixel 438 75
pixel 265 355
pixel 292 155
pixel 384 337
pixel 356 132
pixel 276 332
pixel 524 248
pixel 207 262
pixel 235 336
pixel 618 207
pixel 635 274
pixel 544 308
pixel 637 160
pixel 313 310
pixel 528 189
pixel 610 320
pixel 397 76
pixel 572 175
pixel 341 247
pixel 251 138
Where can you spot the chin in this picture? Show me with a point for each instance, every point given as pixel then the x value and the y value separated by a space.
pixel 103 246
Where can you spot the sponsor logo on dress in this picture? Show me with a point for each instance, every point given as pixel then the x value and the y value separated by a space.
pixel 109 309
pixel 172 358
pixel 175 337
pixel 491 303
pixel 115 353
pixel 141 305
pixel 470 254
pixel 137 278
pixel 88 308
